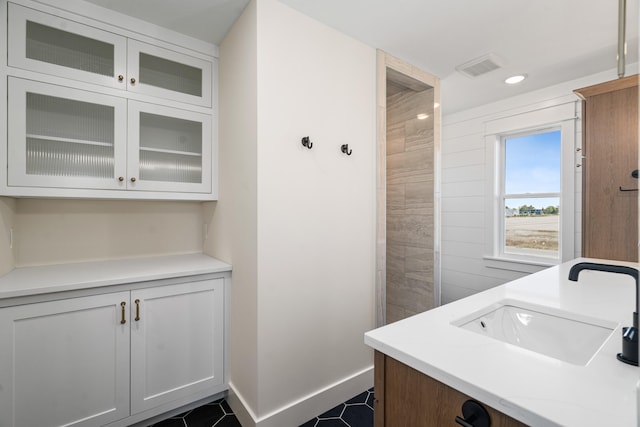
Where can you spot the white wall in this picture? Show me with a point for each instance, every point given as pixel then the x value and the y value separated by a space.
pixel 7 218
pixel 63 231
pixel 308 298
pixel 464 271
pixel 232 230
pixel 316 207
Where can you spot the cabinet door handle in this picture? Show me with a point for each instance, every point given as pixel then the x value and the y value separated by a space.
pixel 120 77
pixel 123 320
pixel 137 301
pixel 133 179
pixel 133 80
pixel 121 178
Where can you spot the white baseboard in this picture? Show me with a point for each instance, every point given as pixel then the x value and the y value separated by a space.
pixel 302 410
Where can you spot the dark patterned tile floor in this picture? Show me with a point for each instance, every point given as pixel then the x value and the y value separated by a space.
pixel 355 412
pixel 215 414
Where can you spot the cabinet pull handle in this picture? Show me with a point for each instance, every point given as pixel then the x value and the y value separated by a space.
pixel 120 77
pixel 123 321
pixel 121 178
pixel 137 301
pixel 133 179
pixel 133 80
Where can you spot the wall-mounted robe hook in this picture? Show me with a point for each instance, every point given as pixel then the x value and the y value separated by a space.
pixel 306 142
pixel 345 149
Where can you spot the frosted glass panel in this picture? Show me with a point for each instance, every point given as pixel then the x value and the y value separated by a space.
pixel 170 167
pixel 69 138
pixel 170 133
pixel 170 149
pixel 170 75
pixel 68 118
pixel 67 49
pixel 60 158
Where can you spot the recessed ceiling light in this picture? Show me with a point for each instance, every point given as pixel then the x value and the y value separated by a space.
pixel 422 116
pixel 515 79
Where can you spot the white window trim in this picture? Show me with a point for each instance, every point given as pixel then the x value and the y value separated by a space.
pixel 561 117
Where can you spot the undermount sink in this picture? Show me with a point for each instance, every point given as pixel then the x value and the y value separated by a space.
pixel 565 336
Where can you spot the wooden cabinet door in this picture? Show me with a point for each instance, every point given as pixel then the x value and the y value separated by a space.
pixel 405 397
pixel 64 362
pixel 176 342
pixel 610 147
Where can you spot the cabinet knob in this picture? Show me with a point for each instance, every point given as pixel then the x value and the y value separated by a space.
pixel 121 178
pixel 120 77
pixel 133 80
pixel 133 179
pixel 475 415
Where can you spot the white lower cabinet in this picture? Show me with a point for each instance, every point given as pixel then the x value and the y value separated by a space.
pixel 176 345
pixel 95 360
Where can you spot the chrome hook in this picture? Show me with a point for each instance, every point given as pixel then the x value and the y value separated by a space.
pixel 345 149
pixel 306 142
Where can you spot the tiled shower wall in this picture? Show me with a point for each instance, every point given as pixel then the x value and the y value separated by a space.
pixel 410 194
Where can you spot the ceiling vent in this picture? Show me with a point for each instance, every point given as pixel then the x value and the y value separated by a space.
pixel 480 66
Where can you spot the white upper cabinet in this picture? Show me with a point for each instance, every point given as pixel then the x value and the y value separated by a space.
pixel 167 74
pixel 48 44
pixel 98 111
pixel 65 138
pixel 52 45
pixel 167 149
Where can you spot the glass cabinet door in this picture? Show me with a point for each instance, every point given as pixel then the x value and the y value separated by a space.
pixel 169 149
pixel 65 138
pixel 160 72
pixel 53 45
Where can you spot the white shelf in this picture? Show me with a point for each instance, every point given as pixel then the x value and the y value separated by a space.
pixel 71 140
pixel 162 150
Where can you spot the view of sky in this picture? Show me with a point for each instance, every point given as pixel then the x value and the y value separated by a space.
pixel 533 166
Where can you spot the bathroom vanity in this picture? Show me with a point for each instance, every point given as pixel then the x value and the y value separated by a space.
pixel 537 351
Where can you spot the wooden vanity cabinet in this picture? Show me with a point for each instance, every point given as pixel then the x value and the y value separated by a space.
pixel 609 156
pixel 405 397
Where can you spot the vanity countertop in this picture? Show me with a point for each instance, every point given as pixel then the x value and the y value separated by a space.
pixel 45 279
pixel 536 389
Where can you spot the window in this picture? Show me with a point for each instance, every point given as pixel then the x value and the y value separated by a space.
pixel 530 194
pixel 530 189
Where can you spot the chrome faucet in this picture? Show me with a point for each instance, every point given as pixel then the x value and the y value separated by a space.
pixel 629 333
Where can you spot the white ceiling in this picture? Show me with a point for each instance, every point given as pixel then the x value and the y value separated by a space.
pixel 550 40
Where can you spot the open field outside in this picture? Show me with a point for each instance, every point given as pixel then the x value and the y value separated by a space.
pixel 532 232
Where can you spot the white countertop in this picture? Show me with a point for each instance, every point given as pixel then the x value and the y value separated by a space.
pixel 535 389
pixel 28 281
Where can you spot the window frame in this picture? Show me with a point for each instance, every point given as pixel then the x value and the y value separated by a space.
pixel 560 117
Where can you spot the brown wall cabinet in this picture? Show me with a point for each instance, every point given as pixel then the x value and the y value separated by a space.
pixel 610 155
pixel 405 397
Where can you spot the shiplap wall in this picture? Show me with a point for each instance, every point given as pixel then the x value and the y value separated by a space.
pixel 463 186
